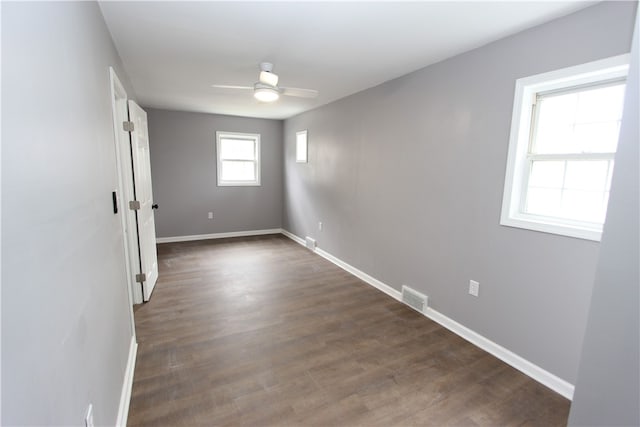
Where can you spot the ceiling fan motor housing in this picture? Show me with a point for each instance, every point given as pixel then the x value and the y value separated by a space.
pixel 266 66
pixel 267 76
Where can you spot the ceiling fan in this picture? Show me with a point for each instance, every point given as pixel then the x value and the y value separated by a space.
pixel 267 89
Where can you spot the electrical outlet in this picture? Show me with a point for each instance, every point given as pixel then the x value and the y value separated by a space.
pixel 320 226
pixel 88 419
pixel 474 288
pixel 210 215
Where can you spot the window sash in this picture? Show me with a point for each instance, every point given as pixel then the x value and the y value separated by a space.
pixel 253 165
pixel 540 96
pixel 224 141
pixel 524 210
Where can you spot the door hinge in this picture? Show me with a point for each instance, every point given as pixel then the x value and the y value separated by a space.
pixel 134 205
pixel 141 277
pixel 128 126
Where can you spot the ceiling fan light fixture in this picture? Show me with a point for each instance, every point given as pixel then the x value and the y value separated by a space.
pixel 266 94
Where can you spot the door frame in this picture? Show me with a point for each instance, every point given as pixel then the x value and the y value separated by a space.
pixel 119 109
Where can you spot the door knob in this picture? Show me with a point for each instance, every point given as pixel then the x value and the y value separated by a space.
pixel 154 206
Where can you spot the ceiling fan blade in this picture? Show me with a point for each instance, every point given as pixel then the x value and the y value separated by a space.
pixel 232 87
pixel 302 93
pixel 268 78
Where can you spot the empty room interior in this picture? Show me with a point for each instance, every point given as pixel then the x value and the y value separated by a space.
pixel 320 213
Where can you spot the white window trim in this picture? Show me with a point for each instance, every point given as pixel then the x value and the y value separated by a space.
pixel 305 134
pixel 237 135
pixel 526 88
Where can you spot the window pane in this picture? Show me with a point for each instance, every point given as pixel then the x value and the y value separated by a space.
pixel 554 130
pixel 237 149
pixel 584 121
pixel 600 105
pixel 572 189
pixel 558 110
pixel 583 205
pixel 238 171
pixel 555 139
pixel 549 174
pixel 587 175
pixel 597 137
pixel 544 201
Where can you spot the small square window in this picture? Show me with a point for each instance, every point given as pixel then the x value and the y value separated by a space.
pixel 301 146
pixel 238 159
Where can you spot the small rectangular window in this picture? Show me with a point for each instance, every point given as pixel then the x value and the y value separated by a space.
pixel 238 159
pixel 301 146
pixel 561 153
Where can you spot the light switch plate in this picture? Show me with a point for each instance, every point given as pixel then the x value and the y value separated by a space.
pixel 474 288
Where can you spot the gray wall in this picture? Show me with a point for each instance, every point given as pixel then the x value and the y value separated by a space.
pixel 407 178
pixel 608 387
pixel 65 310
pixel 183 169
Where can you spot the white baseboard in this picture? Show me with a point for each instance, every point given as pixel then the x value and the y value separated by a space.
pixel 544 377
pixel 293 237
pixel 360 274
pixel 127 385
pixel 217 235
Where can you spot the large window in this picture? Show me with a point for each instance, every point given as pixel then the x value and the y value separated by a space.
pixel 563 142
pixel 238 158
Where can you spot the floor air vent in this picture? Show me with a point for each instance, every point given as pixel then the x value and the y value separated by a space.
pixel 311 243
pixel 414 299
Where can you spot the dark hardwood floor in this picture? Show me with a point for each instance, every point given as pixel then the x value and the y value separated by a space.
pixel 261 332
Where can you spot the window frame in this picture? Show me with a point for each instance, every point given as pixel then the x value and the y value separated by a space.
pixel 517 168
pixel 255 138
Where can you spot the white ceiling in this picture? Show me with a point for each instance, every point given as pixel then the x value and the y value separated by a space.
pixel 174 51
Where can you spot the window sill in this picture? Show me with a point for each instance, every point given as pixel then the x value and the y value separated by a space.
pixel 559 228
pixel 239 184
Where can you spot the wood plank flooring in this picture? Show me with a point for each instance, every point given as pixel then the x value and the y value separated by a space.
pixel 259 331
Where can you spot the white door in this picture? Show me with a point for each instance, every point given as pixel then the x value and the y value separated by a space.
pixel 125 186
pixel 144 195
